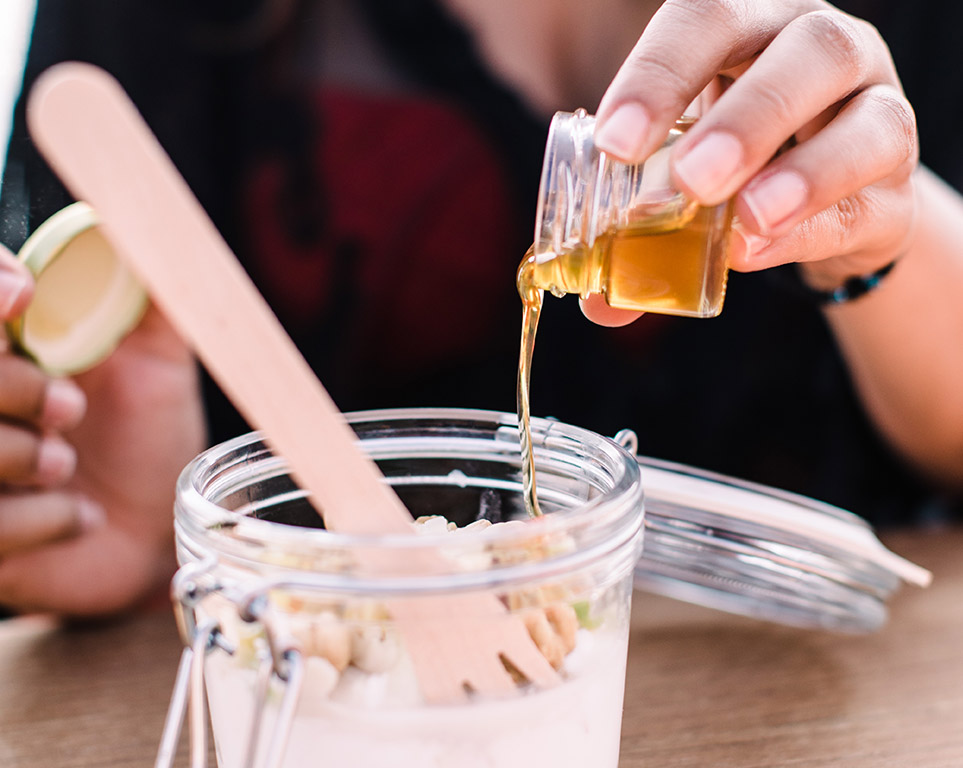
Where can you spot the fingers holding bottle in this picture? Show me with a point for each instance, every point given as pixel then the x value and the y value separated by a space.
pixel 683 49
pixel 856 235
pixel 816 64
pixel 845 192
pixel 801 71
pixel 841 199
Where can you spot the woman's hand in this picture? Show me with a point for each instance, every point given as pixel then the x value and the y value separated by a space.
pixel 841 201
pixel 35 460
pixel 846 199
pixel 88 468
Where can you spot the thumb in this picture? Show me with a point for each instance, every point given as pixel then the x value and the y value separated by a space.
pixel 600 313
pixel 16 285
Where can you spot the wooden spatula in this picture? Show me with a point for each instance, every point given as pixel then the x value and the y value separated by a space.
pixel 103 151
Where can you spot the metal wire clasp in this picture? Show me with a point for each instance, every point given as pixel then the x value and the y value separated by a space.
pixel 190 585
pixel 283 660
pixel 628 440
pixel 189 693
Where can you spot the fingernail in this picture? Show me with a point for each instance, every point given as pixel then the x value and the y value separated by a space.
pixel 90 515
pixel 12 287
pixel 625 132
pixel 754 243
pixel 745 249
pixel 64 404
pixel 708 167
pixel 56 460
pixel 774 199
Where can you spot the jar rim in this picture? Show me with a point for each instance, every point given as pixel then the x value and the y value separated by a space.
pixel 603 524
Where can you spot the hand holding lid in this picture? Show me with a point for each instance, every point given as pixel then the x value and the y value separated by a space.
pixel 103 151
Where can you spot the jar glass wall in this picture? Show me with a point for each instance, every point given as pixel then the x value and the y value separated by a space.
pixel 274 579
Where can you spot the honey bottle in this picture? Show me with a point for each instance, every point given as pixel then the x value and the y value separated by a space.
pixel 619 230
pixel 604 226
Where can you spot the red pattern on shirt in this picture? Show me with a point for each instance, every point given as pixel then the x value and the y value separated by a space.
pixel 418 193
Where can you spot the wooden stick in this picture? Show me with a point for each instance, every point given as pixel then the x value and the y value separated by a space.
pixel 104 152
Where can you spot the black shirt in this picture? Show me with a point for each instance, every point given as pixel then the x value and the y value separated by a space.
pixel 429 315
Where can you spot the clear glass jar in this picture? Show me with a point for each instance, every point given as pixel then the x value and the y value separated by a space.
pixel 270 589
pixel 623 231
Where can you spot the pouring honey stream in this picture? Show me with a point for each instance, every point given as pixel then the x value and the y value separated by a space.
pixel 622 231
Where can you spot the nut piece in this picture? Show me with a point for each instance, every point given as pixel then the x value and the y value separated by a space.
pixel 432 524
pixel 325 636
pixel 332 640
pixel 320 676
pixel 477 526
pixel 554 630
pixel 564 621
pixel 544 637
pixel 373 649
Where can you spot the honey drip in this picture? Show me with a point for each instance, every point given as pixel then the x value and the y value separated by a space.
pixel 532 299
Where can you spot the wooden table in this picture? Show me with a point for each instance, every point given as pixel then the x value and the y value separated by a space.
pixel 704 688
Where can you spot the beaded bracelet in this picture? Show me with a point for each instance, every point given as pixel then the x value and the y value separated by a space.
pixel 853 288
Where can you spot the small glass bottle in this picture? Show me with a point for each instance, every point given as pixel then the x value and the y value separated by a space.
pixel 623 231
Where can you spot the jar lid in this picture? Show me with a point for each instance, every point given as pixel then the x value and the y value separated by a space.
pixel 85 299
pixel 750 549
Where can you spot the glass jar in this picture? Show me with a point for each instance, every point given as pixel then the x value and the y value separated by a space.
pixel 623 231
pixel 293 637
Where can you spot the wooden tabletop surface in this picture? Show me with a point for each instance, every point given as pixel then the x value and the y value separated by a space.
pixel 704 688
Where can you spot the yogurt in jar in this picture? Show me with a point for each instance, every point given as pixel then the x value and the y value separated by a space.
pixel 367 721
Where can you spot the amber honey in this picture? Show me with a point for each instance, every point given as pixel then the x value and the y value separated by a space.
pixel 660 265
